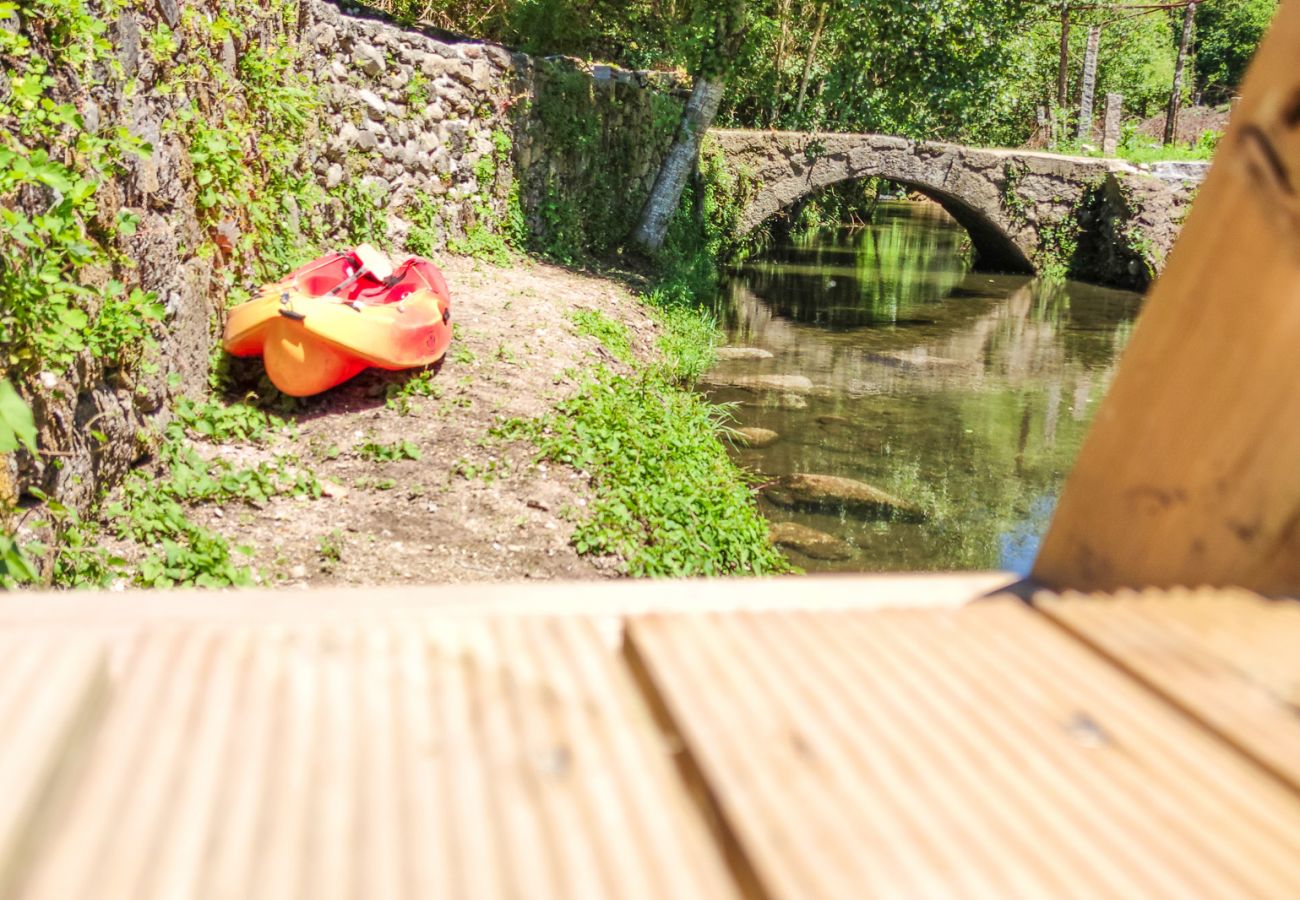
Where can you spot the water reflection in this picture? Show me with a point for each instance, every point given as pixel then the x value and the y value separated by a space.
pixel 966 393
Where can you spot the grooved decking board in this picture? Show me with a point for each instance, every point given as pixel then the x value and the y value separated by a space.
pixel 1230 658
pixel 418 758
pixel 625 597
pixel 979 752
pixel 50 688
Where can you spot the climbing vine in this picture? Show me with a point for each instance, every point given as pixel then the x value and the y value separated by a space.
pixel 57 252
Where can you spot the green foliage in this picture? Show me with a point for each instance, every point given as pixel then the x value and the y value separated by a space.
pixel 330 549
pixel 1140 148
pixel 17 568
pixel 377 452
pixel 154 509
pixel 587 203
pixel 483 241
pixel 53 232
pixel 1057 244
pixel 492 235
pixel 17 427
pixel 462 356
pixel 216 421
pixel 418 93
pixel 612 335
pixel 426 229
pixel 398 396
pixel 1227 34
pixel 687 343
pixel 668 502
pixel 968 70
pixel 365 217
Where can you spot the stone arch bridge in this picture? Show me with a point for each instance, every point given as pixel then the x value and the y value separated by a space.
pixel 1100 219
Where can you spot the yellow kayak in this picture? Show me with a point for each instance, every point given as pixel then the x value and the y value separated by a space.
pixel 342 313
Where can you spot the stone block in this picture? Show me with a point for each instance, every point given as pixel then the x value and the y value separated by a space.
pixel 1111 124
pixel 374 106
pixel 369 60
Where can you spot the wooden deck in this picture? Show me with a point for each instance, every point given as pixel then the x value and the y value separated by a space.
pixel 809 738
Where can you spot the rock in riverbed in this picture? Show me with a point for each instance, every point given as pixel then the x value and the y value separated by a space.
pixel 754 437
pixel 742 353
pixel 919 361
pixel 832 492
pixel 809 541
pixel 790 384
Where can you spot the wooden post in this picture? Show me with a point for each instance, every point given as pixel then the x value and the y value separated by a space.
pixel 1175 95
pixel 1190 474
pixel 1111 124
pixel 1089 84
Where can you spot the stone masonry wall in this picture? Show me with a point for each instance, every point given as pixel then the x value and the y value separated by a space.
pixel 420 144
pixel 438 133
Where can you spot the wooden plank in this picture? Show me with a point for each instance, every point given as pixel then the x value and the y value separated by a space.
pixel 50 691
pixel 978 752
pixel 128 609
pixel 1228 658
pixel 408 757
pixel 1188 475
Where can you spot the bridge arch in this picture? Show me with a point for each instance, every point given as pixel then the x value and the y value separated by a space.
pixel 1016 205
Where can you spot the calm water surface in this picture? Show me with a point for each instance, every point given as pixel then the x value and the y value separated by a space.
pixel 963 392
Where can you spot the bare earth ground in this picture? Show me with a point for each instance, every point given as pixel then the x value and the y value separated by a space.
pixel 471 508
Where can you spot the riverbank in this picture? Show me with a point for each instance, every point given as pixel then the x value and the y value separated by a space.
pixel 435 476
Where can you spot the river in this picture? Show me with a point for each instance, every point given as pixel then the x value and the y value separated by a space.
pixel 965 393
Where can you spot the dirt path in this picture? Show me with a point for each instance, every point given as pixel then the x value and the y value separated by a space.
pixel 470 508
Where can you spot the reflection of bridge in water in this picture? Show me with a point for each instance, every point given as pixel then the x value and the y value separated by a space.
pixel 997 333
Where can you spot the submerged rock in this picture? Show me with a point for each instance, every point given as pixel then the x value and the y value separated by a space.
pixel 754 437
pixel 787 383
pixel 832 492
pixel 809 541
pixel 742 353
pixel 918 360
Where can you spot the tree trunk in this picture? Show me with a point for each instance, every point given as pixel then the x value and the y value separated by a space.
pixel 1063 68
pixel 808 60
pixel 1175 96
pixel 1089 84
pixel 677 165
pixel 778 62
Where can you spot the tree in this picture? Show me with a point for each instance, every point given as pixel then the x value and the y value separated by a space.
pixel 1227 34
pixel 727 32
pixel 1176 94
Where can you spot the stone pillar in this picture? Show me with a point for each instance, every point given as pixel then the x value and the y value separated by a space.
pixel 1089 84
pixel 1110 124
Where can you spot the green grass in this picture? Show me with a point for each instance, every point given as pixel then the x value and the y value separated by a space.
pixel 377 452
pixel 1139 149
pixel 154 509
pixel 669 501
pixel 612 335
pixel 689 337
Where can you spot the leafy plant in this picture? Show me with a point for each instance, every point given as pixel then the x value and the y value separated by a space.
pixel 377 452
pixel 462 356
pixel 330 549
pixel 612 335
pixel 668 502
pixel 17 427
pixel 398 397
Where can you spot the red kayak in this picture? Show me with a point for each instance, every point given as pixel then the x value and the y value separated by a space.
pixel 342 313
